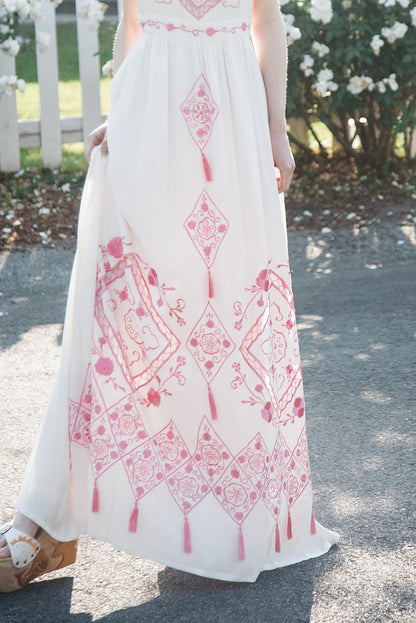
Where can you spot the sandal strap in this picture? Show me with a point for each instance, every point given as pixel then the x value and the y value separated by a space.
pixel 23 548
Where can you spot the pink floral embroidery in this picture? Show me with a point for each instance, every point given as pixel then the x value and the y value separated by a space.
pixel 154 395
pixel 206 227
pixel 196 32
pixel 104 366
pixel 115 247
pixel 209 343
pixel 200 111
pixel 198 8
pixel 140 344
pixel 270 346
pixel 258 396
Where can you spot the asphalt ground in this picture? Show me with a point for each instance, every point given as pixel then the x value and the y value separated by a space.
pixel 355 298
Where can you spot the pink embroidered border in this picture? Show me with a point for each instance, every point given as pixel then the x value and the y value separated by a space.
pixel 210 31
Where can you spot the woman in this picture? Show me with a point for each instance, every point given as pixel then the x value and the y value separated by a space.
pixel 175 429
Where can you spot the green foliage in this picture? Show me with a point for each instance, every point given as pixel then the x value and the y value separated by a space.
pixel 374 87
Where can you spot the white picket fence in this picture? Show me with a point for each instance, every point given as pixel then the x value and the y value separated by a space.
pixel 51 130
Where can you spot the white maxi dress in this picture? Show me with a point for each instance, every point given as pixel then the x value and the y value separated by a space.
pixel 175 428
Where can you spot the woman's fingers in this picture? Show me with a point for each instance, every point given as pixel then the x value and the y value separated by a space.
pixel 284 161
pixel 104 145
pixel 286 175
pixel 98 137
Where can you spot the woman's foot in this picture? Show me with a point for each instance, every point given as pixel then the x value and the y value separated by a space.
pixel 22 523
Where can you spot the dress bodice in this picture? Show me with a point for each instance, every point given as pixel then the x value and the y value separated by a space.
pixel 199 14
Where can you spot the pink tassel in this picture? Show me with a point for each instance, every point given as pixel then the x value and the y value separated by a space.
pixel 212 404
pixel 210 285
pixel 289 525
pixel 95 499
pixel 187 536
pixel 133 518
pixel 240 545
pixel 277 538
pixel 207 168
pixel 313 524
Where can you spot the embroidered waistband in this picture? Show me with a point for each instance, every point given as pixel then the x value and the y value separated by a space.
pixel 219 28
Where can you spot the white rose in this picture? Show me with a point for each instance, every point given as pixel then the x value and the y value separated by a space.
pixel 358 84
pixel 43 39
pixel 320 48
pixel 11 46
pixel 321 11
pixel 392 82
pixel 397 31
pixel 413 16
pixel 346 4
pixel 324 83
pixel 36 10
pixel 21 85
pixel 377 43
pixel 108 68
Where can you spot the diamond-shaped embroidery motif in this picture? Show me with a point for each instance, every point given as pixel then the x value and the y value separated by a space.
pixel 200 111
pixel 143 470
pixel 296 471
pixel 254 459
pixel 206 227
pixel 211 455
pixel 198 8
pixel 209 343
pixel 170 448
pixel 236 493
pixel 140 340
pixel 187 486
pixel 264 343
pixel 273 484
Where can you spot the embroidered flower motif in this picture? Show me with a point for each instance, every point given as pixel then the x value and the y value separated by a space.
pixel 235 494
pixel 200 111
pixel 188 486
pixel 299 407
pixel 211 455
pixel 104 366
pixel 267 412
pixel 206 228
pixel 152 277
pixel 153 397
pixel 126 425
pixel 100 449
pixel 143 470
pixel 210 343
pixel 263 280
pixel 115 247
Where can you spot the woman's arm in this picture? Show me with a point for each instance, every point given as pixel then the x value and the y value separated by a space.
pixel 269 40
pixel 128 31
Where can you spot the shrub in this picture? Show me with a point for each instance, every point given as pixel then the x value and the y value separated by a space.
pixel 354 59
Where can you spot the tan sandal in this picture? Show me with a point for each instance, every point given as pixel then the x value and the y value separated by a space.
pixel 31 557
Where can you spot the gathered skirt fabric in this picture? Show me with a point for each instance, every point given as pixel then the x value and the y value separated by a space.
pixel 176 425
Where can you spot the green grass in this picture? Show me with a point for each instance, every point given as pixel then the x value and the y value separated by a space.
pixel 69 88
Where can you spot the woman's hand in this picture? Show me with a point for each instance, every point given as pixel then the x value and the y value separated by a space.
pixel 98 137
pixel 283 158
